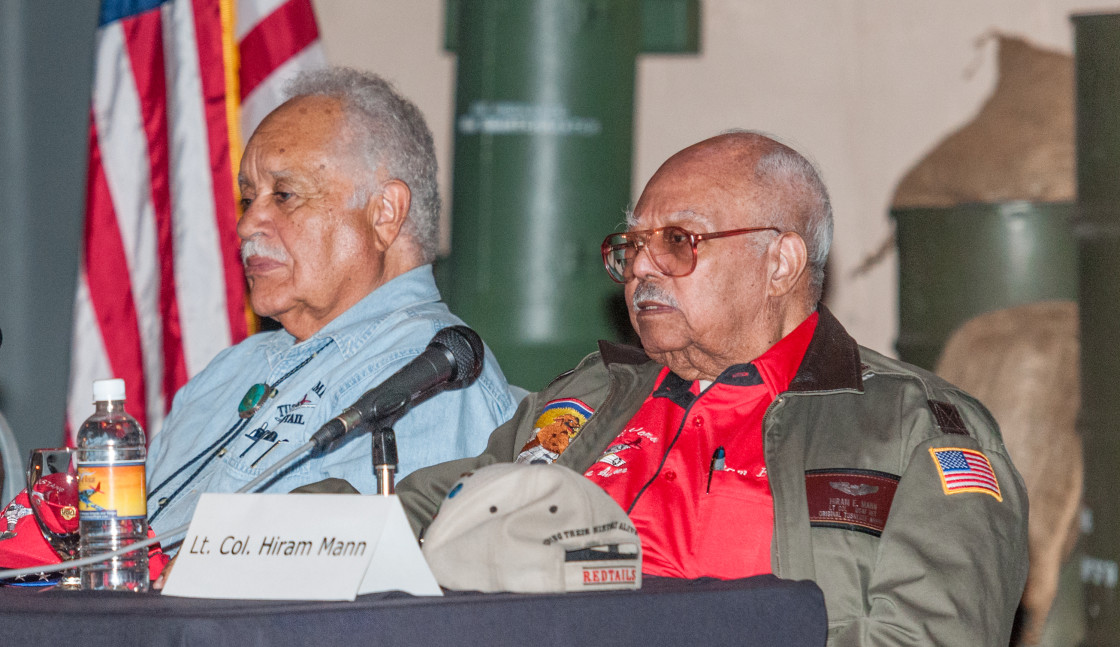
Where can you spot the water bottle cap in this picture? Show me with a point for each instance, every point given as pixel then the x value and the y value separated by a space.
pixel 108 390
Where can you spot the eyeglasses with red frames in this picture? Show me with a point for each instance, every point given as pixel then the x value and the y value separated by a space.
pixel 672 249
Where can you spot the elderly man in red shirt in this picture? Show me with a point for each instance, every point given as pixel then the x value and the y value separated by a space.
pixel 751 434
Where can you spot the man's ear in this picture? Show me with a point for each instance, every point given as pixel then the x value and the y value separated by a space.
pixel 791 259
pixel 387 212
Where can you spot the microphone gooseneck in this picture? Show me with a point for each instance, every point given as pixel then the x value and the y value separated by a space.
pixel 453 359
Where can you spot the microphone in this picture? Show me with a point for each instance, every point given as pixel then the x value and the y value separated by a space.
pixel 453 359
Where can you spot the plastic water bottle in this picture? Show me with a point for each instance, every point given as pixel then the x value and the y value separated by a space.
pixel 112 508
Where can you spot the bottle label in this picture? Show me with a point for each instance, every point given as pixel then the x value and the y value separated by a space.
pixel 111 491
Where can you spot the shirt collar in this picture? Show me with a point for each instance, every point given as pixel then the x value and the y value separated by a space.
pixel 778 365
pixel 775 368
pixel 352 329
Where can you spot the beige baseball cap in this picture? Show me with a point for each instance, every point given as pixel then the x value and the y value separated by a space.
pixel 532 529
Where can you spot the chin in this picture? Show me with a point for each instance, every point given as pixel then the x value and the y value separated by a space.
pixel 662 336
pixel 658 349
pixel 266 307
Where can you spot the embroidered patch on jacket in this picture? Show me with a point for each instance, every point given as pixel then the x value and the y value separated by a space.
pixel 850 499
pixel 965 470
pixel 948 417
pixel 557 425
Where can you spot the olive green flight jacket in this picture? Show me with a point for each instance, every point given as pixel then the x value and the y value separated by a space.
pixel 937 563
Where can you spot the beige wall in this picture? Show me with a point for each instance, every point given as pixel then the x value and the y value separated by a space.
pixel 864 87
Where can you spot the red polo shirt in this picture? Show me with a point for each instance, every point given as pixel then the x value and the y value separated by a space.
pixel 658 468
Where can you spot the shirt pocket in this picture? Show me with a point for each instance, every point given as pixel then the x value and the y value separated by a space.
pixel 240 469
pixel 736 523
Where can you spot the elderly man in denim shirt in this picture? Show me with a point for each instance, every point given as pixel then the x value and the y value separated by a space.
pixel 338 189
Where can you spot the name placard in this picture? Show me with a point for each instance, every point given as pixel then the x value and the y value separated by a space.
pixel 298 547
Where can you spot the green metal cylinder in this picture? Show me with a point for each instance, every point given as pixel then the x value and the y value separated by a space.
pixel 543 131
pixel 1097 62
pixel 958 262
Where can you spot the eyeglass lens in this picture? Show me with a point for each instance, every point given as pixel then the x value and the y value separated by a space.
pixel 670 248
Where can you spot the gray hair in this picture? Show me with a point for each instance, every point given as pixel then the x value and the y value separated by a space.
pixel 388 132
pixel 804 207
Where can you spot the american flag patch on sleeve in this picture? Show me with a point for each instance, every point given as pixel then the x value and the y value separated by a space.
pixel 965 470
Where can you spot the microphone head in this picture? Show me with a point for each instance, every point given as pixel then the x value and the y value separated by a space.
pixel 466 350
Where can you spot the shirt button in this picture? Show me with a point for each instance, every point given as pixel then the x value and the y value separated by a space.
pixel 698 421
pixel 670 475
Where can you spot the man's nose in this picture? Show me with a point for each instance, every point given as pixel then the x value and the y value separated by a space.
pixel 643 266
pixel 253 220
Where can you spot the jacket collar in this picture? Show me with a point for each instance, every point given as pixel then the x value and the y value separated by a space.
pixel 831 362
pixel 615 353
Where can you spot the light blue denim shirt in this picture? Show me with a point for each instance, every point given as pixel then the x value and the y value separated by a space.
pixel 356 352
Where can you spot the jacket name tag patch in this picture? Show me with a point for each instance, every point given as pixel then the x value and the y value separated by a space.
pixel 850 499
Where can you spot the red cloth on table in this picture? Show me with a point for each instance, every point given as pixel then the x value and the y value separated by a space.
pixel 22 543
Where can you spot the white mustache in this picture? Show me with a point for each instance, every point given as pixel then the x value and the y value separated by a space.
pixel 255 247
pixel 652 292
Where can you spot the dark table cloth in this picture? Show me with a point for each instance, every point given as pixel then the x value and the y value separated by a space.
pixel 761 610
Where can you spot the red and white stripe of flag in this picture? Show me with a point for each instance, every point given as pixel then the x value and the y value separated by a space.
pixel 965 470
pixel 160 289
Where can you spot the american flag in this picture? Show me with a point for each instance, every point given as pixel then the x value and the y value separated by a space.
pixel 965 470
pixel 177 86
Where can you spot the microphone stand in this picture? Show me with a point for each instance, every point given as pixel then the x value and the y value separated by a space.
pixel 384 459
